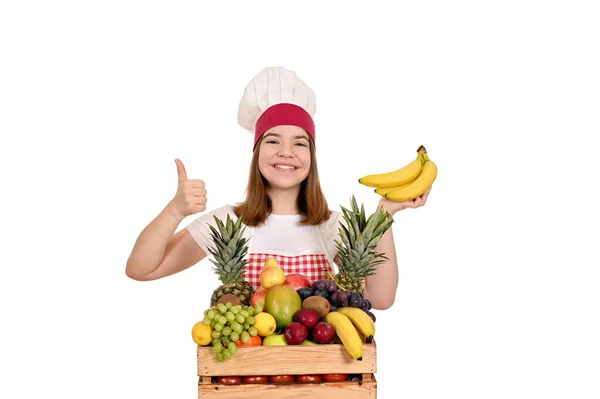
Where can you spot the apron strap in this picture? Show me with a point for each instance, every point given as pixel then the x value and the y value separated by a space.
pixel 249 235
pixel 325 248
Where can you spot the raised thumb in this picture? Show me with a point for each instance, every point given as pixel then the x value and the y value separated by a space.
pixel 181 173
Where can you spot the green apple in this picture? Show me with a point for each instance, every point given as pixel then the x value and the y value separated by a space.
pixel 274 340
pixel 307 342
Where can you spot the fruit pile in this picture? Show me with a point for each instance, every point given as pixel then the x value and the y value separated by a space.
pixel 288 309
pixel 406 183
pixel 295 312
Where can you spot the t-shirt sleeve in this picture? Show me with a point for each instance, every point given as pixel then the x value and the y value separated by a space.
pixel 200 230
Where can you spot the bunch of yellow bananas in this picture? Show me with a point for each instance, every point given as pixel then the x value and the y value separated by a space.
pixel 406 183
pixel 353 326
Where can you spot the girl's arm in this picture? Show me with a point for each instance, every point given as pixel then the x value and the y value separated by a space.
pixel 158 252
pixel 381 288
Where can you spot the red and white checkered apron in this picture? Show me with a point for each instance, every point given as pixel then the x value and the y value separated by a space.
pixel 312 266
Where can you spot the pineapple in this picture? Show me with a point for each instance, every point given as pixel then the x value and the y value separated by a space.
pixel 229 260
pixel 356 251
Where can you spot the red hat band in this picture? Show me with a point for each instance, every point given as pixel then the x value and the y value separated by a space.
pixel 284 114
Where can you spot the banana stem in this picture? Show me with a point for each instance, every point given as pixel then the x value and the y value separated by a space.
pixel 423 153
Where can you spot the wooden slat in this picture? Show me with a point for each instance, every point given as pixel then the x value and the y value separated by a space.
pixel 290 359
pixel 329 390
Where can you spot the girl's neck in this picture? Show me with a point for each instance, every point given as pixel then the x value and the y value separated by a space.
pixel 284 202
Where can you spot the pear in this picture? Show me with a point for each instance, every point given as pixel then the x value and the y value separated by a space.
pixel 271 276
pixel 271 262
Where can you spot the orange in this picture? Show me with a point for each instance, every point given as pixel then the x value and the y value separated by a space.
pixel 254 341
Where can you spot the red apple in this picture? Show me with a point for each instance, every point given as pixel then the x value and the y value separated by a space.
pixel 308 317
pixel 297 281
pixel 295 333
pixel 259 296
pixel 323 333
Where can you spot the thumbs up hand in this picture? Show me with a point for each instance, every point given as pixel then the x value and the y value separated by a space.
pixel 191 194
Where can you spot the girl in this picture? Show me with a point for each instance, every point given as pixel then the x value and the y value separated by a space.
pixel 285 213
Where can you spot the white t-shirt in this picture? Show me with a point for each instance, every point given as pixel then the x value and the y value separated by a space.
pixel 280 233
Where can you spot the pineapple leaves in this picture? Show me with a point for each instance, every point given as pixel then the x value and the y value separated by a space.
pixel 359 237
pixel 344 235
pixel 229 226
pixel 362 222
pixel 229 249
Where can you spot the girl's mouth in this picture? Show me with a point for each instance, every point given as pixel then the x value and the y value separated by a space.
pixel 285 168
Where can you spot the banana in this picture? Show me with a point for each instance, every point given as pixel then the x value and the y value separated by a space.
pixel 418 186
pixel 383 191
pixel 404 175
pixel 362 337
pixel 347 333
pixel 360 319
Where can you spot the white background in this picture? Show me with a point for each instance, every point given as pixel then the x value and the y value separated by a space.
pixel 499 279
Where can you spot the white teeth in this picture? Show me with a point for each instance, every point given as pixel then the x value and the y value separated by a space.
pixel 284 167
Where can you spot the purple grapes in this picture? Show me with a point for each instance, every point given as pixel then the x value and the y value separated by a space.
pixel 331 286
pixel 323 293
pixel 325 285
pixel 322 284
pixel 335 297
pixel 343 297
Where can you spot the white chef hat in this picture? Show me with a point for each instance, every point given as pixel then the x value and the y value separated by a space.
pixel 276 96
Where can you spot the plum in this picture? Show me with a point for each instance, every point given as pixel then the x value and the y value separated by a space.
pixel 364 306
pixel 305 292
pixel 372 316
pixel 295 333
pixel 323 333
pixel 355 300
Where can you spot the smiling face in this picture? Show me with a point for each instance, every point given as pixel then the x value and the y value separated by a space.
pixel 284 158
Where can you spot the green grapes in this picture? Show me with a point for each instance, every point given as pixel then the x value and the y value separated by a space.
pixel 230 323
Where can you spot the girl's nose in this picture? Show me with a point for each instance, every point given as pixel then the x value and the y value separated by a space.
pixel 286 150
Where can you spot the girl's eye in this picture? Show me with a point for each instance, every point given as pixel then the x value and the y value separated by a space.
pixel 271 142
pixel 301 144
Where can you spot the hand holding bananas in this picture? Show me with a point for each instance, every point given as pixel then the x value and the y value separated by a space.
pixel 393 206
pixel 191 194
pixel 409 186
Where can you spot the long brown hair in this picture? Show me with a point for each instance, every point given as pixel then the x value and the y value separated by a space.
pixel 311 202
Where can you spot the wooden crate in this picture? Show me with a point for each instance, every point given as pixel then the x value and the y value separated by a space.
pixel 285 360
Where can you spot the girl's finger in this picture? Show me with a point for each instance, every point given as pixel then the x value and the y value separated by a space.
pixel 197 183
pixel 426 194
pixel 411 204
pixel 200 201
pixel 198 192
